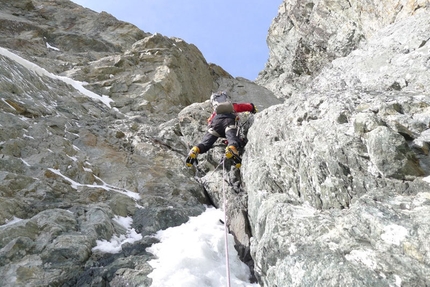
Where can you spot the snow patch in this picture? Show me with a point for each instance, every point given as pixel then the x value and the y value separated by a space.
pixel 11 221
pixel 193 254
pixel 72 158
pixel 35 68
pixel 398 280
pixel 24 162
pixel 125 222
pixel 10 106
pixel 114 245
pixel 51 47
pixel 292 249
pixel 27 136
pixel 105 186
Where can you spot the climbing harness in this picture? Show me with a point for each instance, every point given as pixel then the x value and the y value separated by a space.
pixel 227 261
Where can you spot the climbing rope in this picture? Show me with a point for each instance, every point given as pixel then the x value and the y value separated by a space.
pixel 227 261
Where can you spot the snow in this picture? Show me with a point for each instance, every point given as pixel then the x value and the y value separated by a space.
pixel 27 136
pixel 24 162
pixel 4 101
pixel 114 245
pixel 398 280
pixel 292 249
pixel 126 222
pixel 35 68
pixel 193 255
pixel 10 222
pixel 51 47
pixel 105 186
pixel 190 255
pixel 72 157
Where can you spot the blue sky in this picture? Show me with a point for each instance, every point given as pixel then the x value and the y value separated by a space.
pixel 229 33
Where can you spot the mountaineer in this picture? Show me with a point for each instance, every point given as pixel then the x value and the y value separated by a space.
pixel 222 123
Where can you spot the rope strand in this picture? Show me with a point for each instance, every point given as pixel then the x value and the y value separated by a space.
pixel 227 261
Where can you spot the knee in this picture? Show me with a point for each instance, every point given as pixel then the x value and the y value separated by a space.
pixel 231 129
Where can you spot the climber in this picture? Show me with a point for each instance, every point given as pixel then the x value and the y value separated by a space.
pixel 222 123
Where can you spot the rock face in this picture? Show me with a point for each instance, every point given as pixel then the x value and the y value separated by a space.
pixel 77 161
pixel 308 35
pixel 334 186
pixel 339 191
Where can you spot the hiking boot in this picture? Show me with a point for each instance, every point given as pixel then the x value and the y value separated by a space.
pixel 192 156
pixel 231 152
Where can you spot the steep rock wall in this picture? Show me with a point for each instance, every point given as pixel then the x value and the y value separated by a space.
pixel 307 35
pixel 338 191
pixel 74 162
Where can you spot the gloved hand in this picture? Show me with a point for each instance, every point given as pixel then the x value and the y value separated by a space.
pixel 192 156
pixel 254 109
pixel 191 161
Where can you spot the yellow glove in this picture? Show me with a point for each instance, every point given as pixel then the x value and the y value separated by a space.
pixel 192 156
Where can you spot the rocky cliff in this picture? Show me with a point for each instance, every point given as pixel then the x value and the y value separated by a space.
pixel 96 117
pixel 339 190
pixel 80 156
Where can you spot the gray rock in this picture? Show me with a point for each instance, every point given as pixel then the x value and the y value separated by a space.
pixel 389 152
pixel 333 189
pixel 70 165
pixel 308 35
pixel 384 63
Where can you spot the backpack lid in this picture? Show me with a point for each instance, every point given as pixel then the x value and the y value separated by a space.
pixel 219 97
